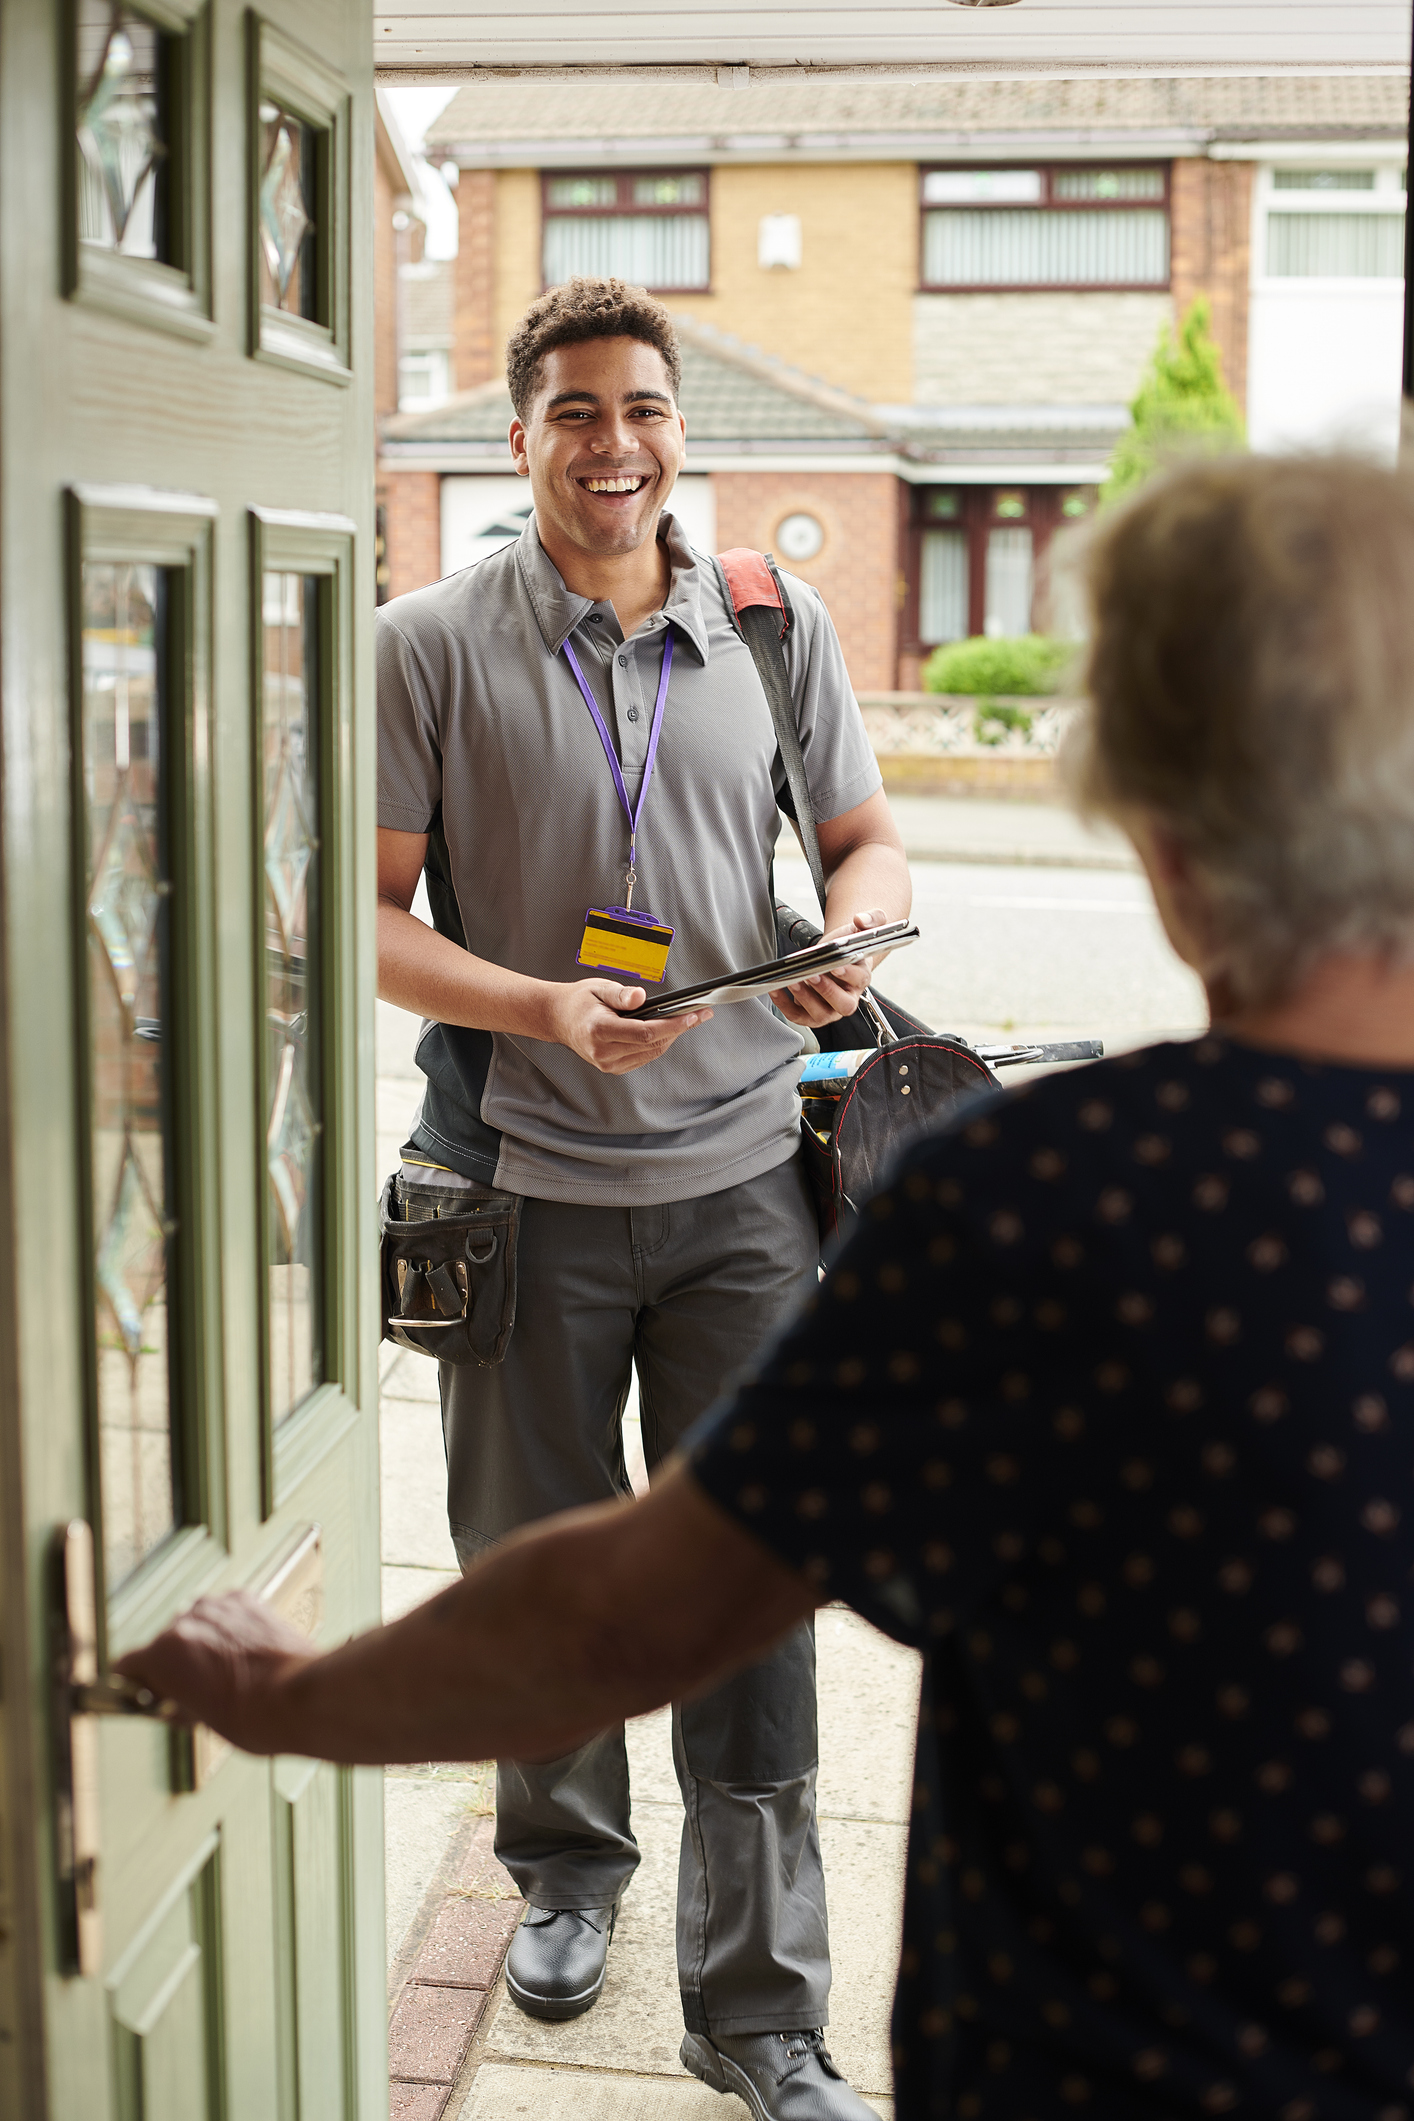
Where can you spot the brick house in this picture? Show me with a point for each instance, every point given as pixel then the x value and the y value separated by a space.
pixel 944 293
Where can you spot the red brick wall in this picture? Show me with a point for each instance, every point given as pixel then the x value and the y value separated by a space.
pixel 856 572
pixel 413 500
pixel 385 294
pixel 1212 254
pixel 477 358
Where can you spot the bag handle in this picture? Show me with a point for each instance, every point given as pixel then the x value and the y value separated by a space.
pixel 762 609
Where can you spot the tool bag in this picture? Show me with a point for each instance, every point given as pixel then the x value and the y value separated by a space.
pixel 447 1264
pixel 916 1079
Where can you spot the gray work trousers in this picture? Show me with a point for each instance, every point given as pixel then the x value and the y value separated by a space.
pixel 684 1292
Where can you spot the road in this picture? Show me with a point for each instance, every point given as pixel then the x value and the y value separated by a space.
pixel 1034 952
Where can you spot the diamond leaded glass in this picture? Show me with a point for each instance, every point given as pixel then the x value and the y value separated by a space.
pixel 129 1012
pixel 289 723
pixel 287 188
pixel 121 130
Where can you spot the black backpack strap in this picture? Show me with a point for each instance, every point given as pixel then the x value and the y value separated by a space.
pixel 764 623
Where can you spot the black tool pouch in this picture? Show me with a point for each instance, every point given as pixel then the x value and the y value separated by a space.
pixel 448 1268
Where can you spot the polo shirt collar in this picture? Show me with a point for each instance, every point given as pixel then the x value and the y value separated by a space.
pixel 559 610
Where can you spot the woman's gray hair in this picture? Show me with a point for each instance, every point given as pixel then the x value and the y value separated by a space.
pixel 1251 684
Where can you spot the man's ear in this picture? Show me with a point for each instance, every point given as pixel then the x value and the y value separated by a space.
pixel 516 439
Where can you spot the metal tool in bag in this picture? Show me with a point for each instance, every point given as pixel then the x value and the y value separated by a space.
pixel 447 1252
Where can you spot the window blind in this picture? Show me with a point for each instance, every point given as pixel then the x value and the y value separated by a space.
pixel 1335 246
pixel 647 250
pixel 1007 248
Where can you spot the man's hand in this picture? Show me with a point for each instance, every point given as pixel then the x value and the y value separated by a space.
pixel 225 1664
pixel 831 995
pixel 584 1015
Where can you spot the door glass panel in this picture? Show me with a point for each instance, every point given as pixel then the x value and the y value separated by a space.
pixel 290 744
pixel 124 772
pixel 288 188
pixel 122 131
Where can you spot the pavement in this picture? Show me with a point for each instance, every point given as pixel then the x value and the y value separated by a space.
pixel 1033 927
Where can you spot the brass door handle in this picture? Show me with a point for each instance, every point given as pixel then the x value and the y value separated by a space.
pixel 116 1696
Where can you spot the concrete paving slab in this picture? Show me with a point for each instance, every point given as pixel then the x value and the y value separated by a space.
pixel 420 1815
pixel 415 1531
pixel 411 1376
pixel 868 1690
pixel 396 1106
pixel 396 1033
pixel 503 2092
pixel 405 1588
pixel 864 1862
pixel 637 2022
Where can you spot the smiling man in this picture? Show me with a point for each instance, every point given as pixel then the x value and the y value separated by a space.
pixel 576 748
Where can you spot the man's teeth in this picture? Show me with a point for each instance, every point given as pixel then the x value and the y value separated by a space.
pixel 624 485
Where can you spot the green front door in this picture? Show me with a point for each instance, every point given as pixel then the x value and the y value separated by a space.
pixel 187 1308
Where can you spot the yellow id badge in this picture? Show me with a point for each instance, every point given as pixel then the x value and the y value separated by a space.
pixel 634 944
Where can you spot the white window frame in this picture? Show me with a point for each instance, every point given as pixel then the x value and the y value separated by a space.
pixel 1383 157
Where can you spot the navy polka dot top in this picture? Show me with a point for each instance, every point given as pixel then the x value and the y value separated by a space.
pixel 1108 1407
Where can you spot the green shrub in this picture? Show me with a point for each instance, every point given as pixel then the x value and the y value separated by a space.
pixel 994 718
pixel 982 668
pixel 1184 408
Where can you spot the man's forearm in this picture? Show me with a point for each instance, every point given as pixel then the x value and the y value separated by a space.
pixel 432 976
pixel 869 876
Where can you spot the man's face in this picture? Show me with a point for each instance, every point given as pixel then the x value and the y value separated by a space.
pixel 603 444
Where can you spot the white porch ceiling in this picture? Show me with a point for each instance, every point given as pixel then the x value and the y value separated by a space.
pixel 442 39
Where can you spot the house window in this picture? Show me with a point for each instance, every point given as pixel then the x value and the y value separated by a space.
pixel 424 380
pixel 647 227
pixel 1335 224
pixel 981 563
pixel 1030 228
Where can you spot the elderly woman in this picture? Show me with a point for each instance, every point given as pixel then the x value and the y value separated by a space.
pixel 1108 1407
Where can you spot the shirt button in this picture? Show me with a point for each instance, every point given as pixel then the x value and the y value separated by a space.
pixel 623 662
pixel 633 714
pixel 594 619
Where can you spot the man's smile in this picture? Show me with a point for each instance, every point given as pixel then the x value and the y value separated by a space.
pixel 618 482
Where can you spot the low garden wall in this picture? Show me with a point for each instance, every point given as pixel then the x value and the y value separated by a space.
pixel 934 743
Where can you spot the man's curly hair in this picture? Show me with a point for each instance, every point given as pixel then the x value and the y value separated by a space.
pixel 586 309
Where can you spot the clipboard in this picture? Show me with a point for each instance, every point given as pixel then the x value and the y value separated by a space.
pixel 780 971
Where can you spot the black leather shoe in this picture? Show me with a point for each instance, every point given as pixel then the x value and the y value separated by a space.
pixel 777 2076
pixel 555 1966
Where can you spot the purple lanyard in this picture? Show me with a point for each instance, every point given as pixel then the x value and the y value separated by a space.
pixel 631 812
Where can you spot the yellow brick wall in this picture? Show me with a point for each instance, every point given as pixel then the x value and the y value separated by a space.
pixel 846 315
pixel 517 241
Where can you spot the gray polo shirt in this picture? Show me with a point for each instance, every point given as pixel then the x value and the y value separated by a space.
pixel 480 718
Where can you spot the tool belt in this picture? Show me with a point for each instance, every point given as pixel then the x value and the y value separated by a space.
pixel 447 1256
